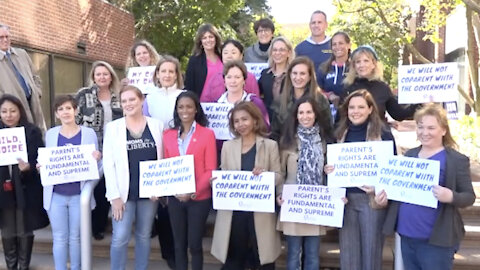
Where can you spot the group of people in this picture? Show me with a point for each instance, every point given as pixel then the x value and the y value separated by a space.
pixel 280 123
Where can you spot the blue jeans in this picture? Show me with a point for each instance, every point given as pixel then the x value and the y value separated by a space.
pixel 310 246
pixel 64 215
pixel 418 254
pixel 142 212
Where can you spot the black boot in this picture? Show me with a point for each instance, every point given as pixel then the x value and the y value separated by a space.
pixel 25 245
pixel 10 251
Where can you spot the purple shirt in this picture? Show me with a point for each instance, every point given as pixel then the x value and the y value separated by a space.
pixel 417 221
pixel 68 189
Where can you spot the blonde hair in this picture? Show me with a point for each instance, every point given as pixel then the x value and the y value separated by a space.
pixel 114 85
pixel 377 73
pixel 287 43
pixel 173 60
pixel 441 115
pixel 154 56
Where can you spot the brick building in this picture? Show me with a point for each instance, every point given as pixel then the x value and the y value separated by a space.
pixel 63 38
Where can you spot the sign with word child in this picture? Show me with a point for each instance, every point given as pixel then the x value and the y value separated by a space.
pixel 13 146
pixel 427 83
pixel 142 77
pixel 217 115
pixel 67 164
pixel 243 191
pixel 356 163
pixel 318 205
pixel 167 177
pixel 409 180
pixel 256 68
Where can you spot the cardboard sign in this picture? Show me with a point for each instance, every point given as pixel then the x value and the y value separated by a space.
pixel 409 180
pixel 13 145
pixel 318 205
pixel 427 83
pixel 356 163
pixel 167 177
pixel 217 115
pixel 243 191
pixel 142 77
pixel 67 164
pixel 256 68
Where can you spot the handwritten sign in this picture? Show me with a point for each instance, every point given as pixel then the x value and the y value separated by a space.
pixel 67 164
pixel 142 77
pixel 243 191
pixel 167 177
pixel 356 163
pixel 12 145
pixel 427 83
pixel 409 180
pixel 256 68
pixel 217 115
pixel 318 205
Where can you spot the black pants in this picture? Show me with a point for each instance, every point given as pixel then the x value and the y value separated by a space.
pixel 243 248
pixel 188 225
pixel 165 234
pixel 100 213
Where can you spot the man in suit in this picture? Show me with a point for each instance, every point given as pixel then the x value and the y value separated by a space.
pixel 17 77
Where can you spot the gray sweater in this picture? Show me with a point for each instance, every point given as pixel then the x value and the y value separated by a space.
pixel 253 54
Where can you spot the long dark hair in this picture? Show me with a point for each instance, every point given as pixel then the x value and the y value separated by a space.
pixel 13 99
pixel 200 116
pixel 289 135
pixel 204 28
pixel 326 65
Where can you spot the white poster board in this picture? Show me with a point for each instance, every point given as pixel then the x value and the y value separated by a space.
pixel 318 205
pixel 427 83
pixel 243 191
pixel 167 177
pixel 13 145
pixel 142 77
pixel 67 164
pixel 356 163
pixel 217 115
pixel 256 68
pixel 409 180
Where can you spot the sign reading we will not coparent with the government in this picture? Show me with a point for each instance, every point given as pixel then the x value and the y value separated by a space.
pixel 356 163
pixel 142 77
pixel 167 177
pixel 13 146
pixel 217 115
pixel 67 164
pixel 318 205
pixel 243 191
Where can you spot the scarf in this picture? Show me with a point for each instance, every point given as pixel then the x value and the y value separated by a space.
pixel 310 160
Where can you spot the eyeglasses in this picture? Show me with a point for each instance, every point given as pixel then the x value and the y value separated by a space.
pixel 4 37
pixel 264 31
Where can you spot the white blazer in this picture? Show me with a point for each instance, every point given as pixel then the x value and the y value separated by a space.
pixel 115 156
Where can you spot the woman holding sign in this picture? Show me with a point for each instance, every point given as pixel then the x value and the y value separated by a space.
pixel 430 237
pixel 303 146
pixel 21 210
pixel 141 54
pixel 189 212
pixel 62 201
pixel 248 237
pixel 361 239
pixel 131 140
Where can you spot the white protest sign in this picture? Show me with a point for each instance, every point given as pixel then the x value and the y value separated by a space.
pixel 67 164
pixel 427 83
pixel 243 191
pixel 409 180
pixel 142 77
pixel 318 205
pixel 356 163
pixel 217 115
pixel 12 145
pixel 256 68
pixel 167 177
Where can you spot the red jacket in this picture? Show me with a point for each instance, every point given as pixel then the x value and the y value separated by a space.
pixel 202 147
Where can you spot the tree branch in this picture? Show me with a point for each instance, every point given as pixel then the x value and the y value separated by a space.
pixel 472 4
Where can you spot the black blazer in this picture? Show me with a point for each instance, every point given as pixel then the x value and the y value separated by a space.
pixel 196 73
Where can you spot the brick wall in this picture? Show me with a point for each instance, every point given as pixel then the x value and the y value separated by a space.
pixel 58 25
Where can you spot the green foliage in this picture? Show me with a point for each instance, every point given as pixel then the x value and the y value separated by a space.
pixel 466 132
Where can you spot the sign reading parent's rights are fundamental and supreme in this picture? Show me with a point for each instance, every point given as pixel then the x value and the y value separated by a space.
pixel 67 164
pixel 356 163
pixel 142 77
pixel 256 68
pixel 12 145
pixel 409 180
pixel 427 83
pixel 243 191
pixel 318 205
pixel 217 115
pixel 167 177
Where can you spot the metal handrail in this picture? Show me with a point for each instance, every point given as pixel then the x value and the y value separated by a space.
pixel 86 224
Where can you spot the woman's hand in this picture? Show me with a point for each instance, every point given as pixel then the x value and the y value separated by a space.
pixel 211 180
pixel 257 171
pixel 97 155
pixel 344 200
pixel 118 207
pixel 280 200
pixel 368 189
pixel 38 166
pixel 153 199
pixel 183 197
pixel 334 99
pixel 22 165
pixel 328 168
pixel 381 198
pixel 124 82
pixel 442 194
